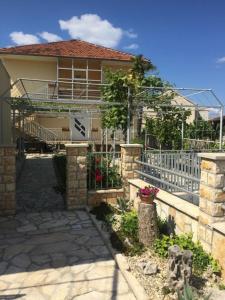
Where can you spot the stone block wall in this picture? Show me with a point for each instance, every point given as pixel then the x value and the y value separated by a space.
pixel 181 215
pixel 129 153
pixel 76 189
pixel 7 179
pixel 212 196
pixel 109 196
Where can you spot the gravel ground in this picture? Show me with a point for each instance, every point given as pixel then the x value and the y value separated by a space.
pixel 154 284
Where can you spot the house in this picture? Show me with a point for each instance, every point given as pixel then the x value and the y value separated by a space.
pixel 63 82
pixel 66 73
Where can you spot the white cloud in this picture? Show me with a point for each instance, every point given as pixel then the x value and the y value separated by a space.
pixel 132 47
pixel 20 38
pixel 130 33
pixel 93 29
pixel 50 37
pixel 221 60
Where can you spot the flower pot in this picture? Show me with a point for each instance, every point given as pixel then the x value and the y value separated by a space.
pixel 146 199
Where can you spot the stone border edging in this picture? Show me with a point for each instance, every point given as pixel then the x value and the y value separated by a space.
pixel 121 262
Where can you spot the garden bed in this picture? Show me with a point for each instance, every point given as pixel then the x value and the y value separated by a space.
pixel 122 226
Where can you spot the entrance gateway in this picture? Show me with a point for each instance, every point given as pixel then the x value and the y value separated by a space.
pixel 79 126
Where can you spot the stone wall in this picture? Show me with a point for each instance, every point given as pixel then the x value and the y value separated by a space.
pixel 182 216
pixel 108 196
pixel 7 180
pixel 76 186
pixel 212 196
pixel 129 153
pixel 206 225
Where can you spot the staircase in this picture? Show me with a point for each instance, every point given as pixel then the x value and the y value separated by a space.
pixel 34 132
pixel 39 132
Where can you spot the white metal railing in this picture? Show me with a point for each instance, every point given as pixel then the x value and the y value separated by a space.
pixel 36 130
pixel 178 173
pixel 60 134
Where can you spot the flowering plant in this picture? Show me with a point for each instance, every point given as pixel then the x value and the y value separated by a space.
pixel 148 191
pixel 102 173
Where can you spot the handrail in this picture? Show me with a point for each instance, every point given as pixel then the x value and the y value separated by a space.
pixel 39 131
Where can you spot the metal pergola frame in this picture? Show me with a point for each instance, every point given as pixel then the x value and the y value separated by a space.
pixel 26 91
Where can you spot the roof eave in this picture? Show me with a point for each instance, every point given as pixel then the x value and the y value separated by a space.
pixel 58 56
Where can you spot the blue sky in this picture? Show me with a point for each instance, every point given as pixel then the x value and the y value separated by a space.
pixel 185 39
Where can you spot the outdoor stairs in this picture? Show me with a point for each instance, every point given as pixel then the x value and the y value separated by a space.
pixel 34 130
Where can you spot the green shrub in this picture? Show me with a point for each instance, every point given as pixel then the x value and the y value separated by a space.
pixel 123 205
pixel 102 173
pixel 103 212
pixel 201 259
pixel 222 286
pixel 129 225
pixel 117 242
pixel 163 226
pixel 189 295
pixel 59 161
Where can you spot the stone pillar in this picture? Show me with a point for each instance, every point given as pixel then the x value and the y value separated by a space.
pixel 147 223
pixel 76 182
pixel 212 196
pixel 129 153
pixel 7 179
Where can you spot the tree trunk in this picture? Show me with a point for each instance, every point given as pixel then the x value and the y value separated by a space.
pixel 147 223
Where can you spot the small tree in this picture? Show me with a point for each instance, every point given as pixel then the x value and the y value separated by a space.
pixel 167 124
pixel 116 90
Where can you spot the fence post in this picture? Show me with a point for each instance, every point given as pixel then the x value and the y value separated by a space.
pixel 76 185
pixel 129 153
pixel 212 196
pixel 7 179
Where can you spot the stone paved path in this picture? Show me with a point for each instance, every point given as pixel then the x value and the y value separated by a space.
pixel 59 256
pixel 36 186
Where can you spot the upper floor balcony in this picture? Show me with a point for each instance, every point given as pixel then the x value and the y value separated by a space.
pixel 75 80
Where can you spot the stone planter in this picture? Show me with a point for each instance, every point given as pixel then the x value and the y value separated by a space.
pixel 146 198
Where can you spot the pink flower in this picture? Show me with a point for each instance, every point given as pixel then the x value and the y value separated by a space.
pixel 98 175
pixel 149 191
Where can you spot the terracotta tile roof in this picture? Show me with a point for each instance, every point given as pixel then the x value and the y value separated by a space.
pixel 72 48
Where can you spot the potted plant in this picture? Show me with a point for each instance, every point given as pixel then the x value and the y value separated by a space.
pixel 148 194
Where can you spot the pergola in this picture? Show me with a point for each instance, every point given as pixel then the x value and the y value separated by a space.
pixel 34 95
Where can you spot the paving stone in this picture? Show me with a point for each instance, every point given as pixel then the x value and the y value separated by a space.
pixel 21 261
pixel 100 250
pixel 62 263
pixel 35 188
pixel 73 260
pixel 82 215
pixel 53 223
pixel 27 228
pixel 58 260
pixel 3 267
pixel 40 259
pixel 76 227
pixel 17 249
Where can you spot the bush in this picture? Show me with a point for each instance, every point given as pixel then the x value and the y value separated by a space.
pixel 163 226
pixel 59 161
pixel 122 205
pixel 103 212
pixel 129 225
pixel 201 259
pixel 188 294
pixel 102 173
